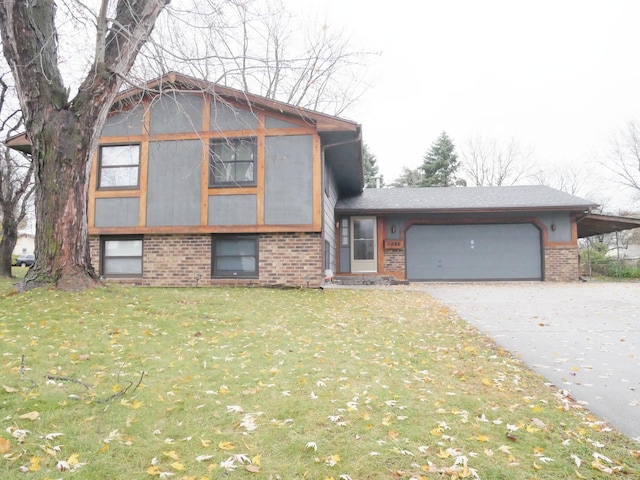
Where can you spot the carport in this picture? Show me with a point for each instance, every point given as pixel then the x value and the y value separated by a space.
pixel 597 224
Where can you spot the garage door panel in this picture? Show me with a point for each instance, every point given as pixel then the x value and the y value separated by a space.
pixel 473 252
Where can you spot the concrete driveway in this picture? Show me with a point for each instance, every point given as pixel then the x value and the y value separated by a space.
pixel 583 337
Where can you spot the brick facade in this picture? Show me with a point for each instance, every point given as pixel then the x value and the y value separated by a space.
pixel 394 263
pixel 561 263
pixel 287 259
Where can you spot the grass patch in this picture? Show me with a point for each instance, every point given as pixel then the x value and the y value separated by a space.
pixel 239 383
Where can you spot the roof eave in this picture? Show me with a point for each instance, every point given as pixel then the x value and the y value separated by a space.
pixel 382 211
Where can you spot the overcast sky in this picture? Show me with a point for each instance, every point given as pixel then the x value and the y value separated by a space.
pixel 559 76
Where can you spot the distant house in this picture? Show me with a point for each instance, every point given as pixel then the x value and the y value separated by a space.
pixel 194 183
pixel 25 243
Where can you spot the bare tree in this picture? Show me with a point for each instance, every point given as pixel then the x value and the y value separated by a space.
pixel 490 162
pixel 579 180
pixel 573 179
pixel 623 157
pixel 16 182
pixel 261 48
pixel 64 131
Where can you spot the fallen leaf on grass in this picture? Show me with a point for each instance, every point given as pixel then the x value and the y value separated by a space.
pixel 30 416
pixel 171 454
pixel 35 464
pixel 153 470
pixel 253 468
pixel 226 446
pixel 203 458
pixel 9 389
pixel 5 445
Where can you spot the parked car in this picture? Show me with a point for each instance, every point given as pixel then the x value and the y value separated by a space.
pixel 25 260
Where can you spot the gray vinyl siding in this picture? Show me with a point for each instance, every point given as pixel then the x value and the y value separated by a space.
pixel 232 210
pixel 173 192
pixel 117 212
pixel 125 123
pixel 474 252
pixel 561 220
pixel 225 117
pixel 288 191
pixel 558 226
pixel 330 197
pixel 272 122
pixel 176 113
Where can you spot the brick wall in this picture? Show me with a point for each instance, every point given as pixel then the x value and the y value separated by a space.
pixel 288 259
pixel 561 264
pixel 394 263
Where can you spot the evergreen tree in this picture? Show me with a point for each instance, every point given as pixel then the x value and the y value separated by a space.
pixel 370 168
pixel 441 164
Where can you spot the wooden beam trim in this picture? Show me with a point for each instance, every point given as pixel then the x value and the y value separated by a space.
pixel 91 207
pixel 203 229
pixel 260 174
pixel 204 135
pixel 316 179
pixel 116 193
pixel 144 180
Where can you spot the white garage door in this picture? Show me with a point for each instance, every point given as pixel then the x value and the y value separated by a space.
pixel 474 252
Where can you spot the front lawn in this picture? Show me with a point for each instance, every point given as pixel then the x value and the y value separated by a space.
pixel 141 383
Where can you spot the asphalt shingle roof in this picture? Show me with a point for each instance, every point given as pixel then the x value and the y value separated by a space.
pixel 526 197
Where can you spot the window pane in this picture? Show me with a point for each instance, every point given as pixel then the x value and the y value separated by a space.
pixel 235 247
pixel 236 264
pixel 363 228
pixel 123 248
pixel 235 256
pixel 363 249
pixel 122 266
pixel 232 161
pixel 120 155
pixel 119 177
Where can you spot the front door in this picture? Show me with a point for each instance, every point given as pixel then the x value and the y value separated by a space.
pixel 363 245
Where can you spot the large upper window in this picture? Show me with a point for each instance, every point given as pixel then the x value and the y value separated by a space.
pixel 119 166
pixel 232 162
pixel 121 256
pixel 235 256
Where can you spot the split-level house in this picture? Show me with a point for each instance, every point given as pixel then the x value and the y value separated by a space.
pixel 198 184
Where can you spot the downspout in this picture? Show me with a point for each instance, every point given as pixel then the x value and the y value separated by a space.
pixel 324 148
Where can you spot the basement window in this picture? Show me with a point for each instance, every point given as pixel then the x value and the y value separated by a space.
pixel 121 256
pixel 235 256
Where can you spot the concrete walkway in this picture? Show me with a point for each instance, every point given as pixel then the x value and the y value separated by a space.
pixel 583 337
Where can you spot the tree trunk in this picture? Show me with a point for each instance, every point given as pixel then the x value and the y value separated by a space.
pixel 7 244
pixel 61 152
pixel 64 134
